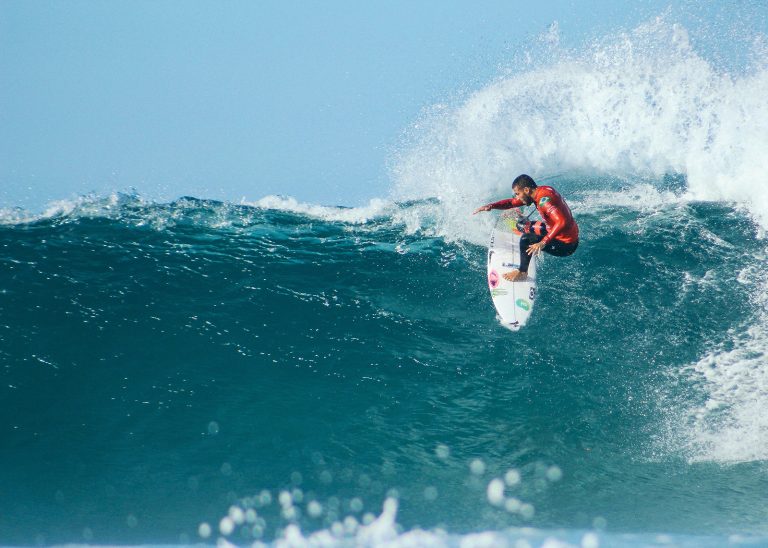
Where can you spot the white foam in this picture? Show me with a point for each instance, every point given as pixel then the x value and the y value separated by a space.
pixel 641 196
pixel 639 105
pixel 353 215
pixel 732 424
pixel 89 205
pixel 160 216
pixel 383 531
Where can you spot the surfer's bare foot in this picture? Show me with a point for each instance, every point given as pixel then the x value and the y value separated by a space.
pixel 515 276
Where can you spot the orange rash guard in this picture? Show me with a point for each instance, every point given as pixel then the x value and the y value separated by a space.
pixel 553 210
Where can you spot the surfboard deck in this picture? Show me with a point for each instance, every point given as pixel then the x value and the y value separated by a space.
pixel 513 300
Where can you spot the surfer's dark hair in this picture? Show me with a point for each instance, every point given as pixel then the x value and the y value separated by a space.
pixel 524 181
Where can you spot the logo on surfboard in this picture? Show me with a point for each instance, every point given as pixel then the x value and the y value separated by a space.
pixel 493 279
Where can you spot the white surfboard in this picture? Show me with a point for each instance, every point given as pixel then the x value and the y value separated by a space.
pixel 513 300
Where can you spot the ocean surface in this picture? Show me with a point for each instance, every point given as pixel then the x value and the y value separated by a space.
pixel 197 371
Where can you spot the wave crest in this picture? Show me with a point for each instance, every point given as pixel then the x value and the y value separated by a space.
pixel 641 104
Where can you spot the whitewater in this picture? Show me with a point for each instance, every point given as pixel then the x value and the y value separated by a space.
pixel 294 374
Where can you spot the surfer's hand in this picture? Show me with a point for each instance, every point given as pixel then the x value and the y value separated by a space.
pixel 535 249
pixel 482 208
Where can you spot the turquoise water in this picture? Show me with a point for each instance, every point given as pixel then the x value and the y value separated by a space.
pixel 168 367
pixel 289 373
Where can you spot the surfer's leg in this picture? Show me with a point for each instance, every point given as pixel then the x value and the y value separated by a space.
pixel 526 240
pixel 532 233
pixel 521 273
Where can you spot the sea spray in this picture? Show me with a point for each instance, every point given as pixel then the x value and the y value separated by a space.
pixel 638 104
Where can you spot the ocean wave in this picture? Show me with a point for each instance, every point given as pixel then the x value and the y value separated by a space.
pixel 354 357
pixel 232 344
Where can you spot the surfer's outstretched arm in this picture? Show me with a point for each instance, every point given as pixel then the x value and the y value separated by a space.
pixel 501 204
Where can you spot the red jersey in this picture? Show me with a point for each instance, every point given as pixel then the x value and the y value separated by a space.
pixel 553 210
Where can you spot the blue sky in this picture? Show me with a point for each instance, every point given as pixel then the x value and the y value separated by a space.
pixel 244 99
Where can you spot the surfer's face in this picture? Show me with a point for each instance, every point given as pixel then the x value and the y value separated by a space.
pixel 524 194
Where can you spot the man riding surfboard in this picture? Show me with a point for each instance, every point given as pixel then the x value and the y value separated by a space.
pixel 557 235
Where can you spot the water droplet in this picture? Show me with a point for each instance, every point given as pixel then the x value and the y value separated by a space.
pixel 236 515
pixel 527 511
pixel 512 477
pixel 356 505
pixel 265 498
pixel 226 526
pixel 477 467
pixel 590 540
pixel 495 492
pixel 554 473
pixel 285 498
pixel 314 509
pixel 430 493
pixel 512 505
pixel 350 524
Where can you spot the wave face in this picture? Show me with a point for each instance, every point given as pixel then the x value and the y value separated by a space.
pixel 242 371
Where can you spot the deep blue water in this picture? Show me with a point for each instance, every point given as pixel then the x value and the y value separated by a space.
pixel 166 365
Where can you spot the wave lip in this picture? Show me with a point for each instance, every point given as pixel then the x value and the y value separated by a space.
pixel 376 208
pixel 112 206
pixel 639 104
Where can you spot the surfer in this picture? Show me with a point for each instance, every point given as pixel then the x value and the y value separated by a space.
pixel 557 235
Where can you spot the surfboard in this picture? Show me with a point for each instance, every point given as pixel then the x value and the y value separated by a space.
pixel 513 300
